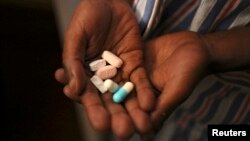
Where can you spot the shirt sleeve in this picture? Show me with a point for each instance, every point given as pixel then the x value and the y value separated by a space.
pixel 148 13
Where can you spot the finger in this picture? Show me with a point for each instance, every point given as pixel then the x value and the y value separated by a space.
pixel 132 70
pixel 144 90
pixel 171 97
pixel 60 76
pixel 96 112
pixel 73 58
pixel 140 118
pixel 161 112
pixel 77 79
pixel 121 123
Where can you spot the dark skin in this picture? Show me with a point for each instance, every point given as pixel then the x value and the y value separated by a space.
pixel 112 27
pixel 177 62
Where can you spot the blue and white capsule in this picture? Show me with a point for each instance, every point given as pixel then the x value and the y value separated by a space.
pixel 122 93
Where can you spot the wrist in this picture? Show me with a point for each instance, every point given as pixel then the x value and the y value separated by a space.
pixel 228 50
pixel 208 48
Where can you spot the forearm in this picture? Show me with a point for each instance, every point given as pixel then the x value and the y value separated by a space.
pixel 229 50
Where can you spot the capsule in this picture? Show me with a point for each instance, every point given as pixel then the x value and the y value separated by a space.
pixel 111 85
pixel 122 93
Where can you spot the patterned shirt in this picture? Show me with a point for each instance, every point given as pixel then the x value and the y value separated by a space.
pixel 218 99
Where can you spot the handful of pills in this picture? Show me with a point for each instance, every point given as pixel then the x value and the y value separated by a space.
pixel 103 73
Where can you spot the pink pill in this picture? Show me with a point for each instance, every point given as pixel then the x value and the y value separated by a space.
pixel 112 59
pixel 106 72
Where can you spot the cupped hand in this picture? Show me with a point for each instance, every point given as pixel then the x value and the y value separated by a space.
pixel 99 25
pixel 175 63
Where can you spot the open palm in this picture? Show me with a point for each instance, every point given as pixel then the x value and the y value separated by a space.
pixel 176 63
pixel 99 25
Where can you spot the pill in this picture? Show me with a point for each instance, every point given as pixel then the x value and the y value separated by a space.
pixel 111 85
pixel 112 59
pixel 106 72
pixel 99 84
pixel 97 64
pixel 122 93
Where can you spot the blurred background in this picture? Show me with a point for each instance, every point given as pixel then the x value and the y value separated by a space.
pixel 35 108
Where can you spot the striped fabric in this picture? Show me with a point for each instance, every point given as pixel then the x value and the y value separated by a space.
pixel 218 99
pixel 195 15
pixel 221 98
pixel 148 13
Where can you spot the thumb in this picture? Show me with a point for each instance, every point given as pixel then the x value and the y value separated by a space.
pixel 73 60
pixel 77 79
pixel 171 97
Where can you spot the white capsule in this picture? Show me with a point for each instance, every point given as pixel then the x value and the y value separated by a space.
pixel 122 93
pixel 97 64
pixel 112 59
pixel 98 84
pixel 111 85
pixel 106 72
